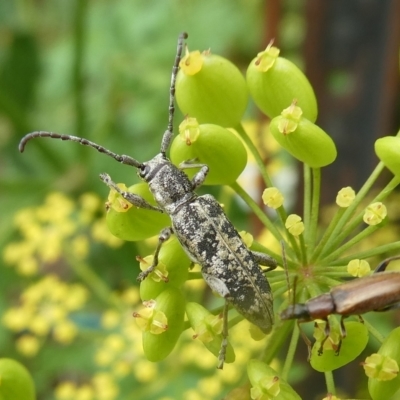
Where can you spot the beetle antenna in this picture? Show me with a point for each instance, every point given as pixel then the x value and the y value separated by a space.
pixel 120 158
pixel 382 266
pixel 169 133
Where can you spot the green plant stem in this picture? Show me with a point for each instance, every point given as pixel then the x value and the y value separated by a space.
pixel 92 280
pixel 362 235
pixel 346 216
pixel 291 352
pixel 313 223
pixel 374 332
pixel 387 248
pixel 194 275
pixel 250 145
pixel 276 340
pixel 307 198
pixel 257 210
pixel 303 248
pixel 290 238
pixel 77 71
pixel 359 218
pixel 267 180
pixel 327 234
pixel 330 383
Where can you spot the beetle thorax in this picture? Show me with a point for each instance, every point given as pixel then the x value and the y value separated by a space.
pixel 169 185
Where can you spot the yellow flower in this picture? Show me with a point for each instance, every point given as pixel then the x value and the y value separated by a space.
pixel 375 213
pixel 345 197
pixel 358 268
pixel 28 345
pixel 380 367
pixel 272 197
pixel 65 331
pixel 65 391
pixel 294 224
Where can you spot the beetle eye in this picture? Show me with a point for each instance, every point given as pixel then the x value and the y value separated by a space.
pixel 143 170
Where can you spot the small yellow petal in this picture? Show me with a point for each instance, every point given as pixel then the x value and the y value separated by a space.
pixel 272 197
pixel 345 197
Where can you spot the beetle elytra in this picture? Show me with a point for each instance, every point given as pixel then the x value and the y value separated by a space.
pixel 199 223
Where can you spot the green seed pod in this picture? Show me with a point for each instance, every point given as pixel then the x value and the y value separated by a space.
pixel 208 328
pixel 211 88
pixel 388 151
pixel 217 147
pixel 266 382
pixel 176 263
pixel 131 223
pixel 302 139
pixel 275 82
pixel 379 389
pixel 171 303
pixel 15 381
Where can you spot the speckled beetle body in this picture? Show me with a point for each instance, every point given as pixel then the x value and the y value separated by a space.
pixel 200 224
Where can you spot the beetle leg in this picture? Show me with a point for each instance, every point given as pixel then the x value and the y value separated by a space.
pixel 200 176
pixel 305 338
pixel 265 260
pixel 327 332
pixel 134 199
pixel 224 344
pixel 382 266
pixel 165 234
pixel 343 332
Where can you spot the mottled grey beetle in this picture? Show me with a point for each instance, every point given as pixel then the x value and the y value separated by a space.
pixel 201 226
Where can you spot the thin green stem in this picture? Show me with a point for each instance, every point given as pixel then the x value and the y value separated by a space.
pixel 303 250
pixel 346 216
pixel 250 145
pixel 276 340
pixel 327 234
pixel 374 332
pixel 330 383
pixel 362 235
pixel 78 76
pixel 92 280
pixel 257 210
pixel 290 238
pixel 387 248
pixel 359 218
pixel 307 197
pixel 312 227
pixel 291 352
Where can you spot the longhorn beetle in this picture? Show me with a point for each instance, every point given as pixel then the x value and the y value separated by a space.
pixel 377 292
pixel 199 223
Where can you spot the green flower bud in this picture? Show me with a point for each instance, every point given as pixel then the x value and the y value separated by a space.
pixel 162 323
pixel 15 381
pixel 275 82
pixel 384 389
pixel 220 149
pixel 208 329
pixel 175 270
pixel 131 223
pixel 382 368
pixel 388 151
pixel 302 139
pixel 211 89
pixel 266 385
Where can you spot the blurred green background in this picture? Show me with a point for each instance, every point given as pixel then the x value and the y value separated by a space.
pixel 101 69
